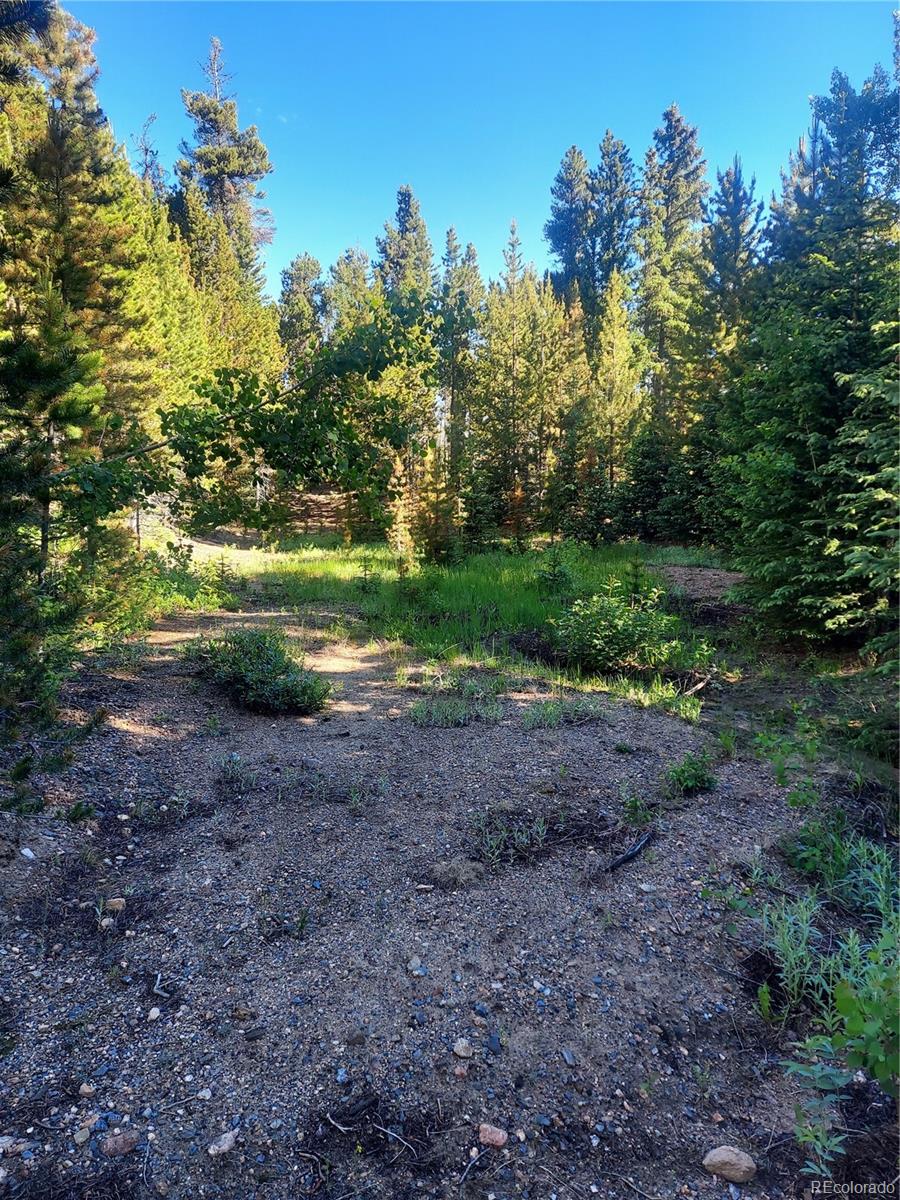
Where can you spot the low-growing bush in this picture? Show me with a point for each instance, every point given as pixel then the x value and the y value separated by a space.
pixel 625 629
pixel 691 775
pixel 255 667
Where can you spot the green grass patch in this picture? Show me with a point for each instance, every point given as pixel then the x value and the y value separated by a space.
pixel 548 714
pixel 440 712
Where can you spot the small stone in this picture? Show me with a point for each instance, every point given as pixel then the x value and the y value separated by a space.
pixel 492 1135
pixel 117 1144
pixel 730 1163
pixel 461 1070
pixel 26 853
pixel 569 1057
pixel 87 1089
pixel 115 905
pixel 107 922
pixel 415 966
pixel 82 1135
pixel 154 1014
pixel 204 1094
pixel 462 1048
pixel 222 1144
pixel 342 1075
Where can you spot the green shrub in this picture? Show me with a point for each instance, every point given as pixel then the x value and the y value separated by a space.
pixel 624 629
pixel 691 775
pixel 255 667
pixel 854 872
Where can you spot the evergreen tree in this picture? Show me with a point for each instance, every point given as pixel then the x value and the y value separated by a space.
pixel 619 401
pixel 826 296
pixel 570 227
pixel 670 245
pixel 226 163
pixel 301 310
pixel 460 300
pixel 614 192
pixel 404 264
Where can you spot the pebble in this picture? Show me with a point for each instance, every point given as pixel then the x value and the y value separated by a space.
pixel 462 1048
pixel 569 1057
pixel 87 1089
pixel 204 1094
pixel 222 1144
pixel 82 1135
pixel 118 1144
pixel 26 853
pixel 492 1135
pixel 415 966
pixel 730 1163
pixel 154 1014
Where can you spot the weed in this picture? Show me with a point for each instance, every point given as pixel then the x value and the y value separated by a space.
pixel 501 836
pixel 691 775
pixel 623 748
pixel 728 739
pixel 213 726
pixel 635 810
pixel 236 777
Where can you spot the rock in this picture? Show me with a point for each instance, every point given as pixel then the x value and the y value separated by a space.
pixel 87 1089
pixel 492 1135
pixel 154 1014
pixel 204 1094
pixel 82 1135
pixel 222 1144
pixel 415 966
pixel 462 1048
pixel 729 1163
pixel 115 905
pixel 569 1057
pixel 342 1075
pixel 117 1144
pixel 461 1070
pixel 26 853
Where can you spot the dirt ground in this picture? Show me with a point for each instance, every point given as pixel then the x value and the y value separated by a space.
pixel 310 961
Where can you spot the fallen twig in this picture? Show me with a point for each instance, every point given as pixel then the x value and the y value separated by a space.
pixel 470 1165
pixel 634 1187
pixel 390 1133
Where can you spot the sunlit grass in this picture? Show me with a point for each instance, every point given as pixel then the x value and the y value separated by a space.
pixel 461 614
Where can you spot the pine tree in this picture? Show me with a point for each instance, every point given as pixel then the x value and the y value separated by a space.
pixel 226 163
pixel 460 300
pixel 570 227
pixel 826 295
pixel 670 245
pixel 614 192
pixel 405 257
pixel 619 402
pixel 301 310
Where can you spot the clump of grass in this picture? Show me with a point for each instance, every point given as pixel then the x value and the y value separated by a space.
pixel 254 666
pixel 691 775
pixel 236 777
pixel 501 836
pixel 548 714
pixel 442 712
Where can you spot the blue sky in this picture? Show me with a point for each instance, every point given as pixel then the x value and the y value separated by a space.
pixel 473 104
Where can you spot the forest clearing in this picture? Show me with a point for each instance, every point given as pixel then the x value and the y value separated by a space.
pixel 449 726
